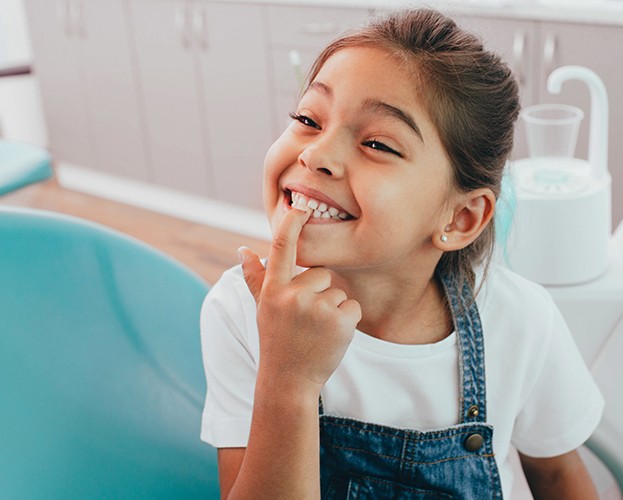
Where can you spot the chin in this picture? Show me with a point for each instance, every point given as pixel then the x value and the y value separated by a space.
pixel 304 260
pixel 307 257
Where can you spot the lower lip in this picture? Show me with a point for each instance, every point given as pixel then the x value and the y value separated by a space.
pixel 312 219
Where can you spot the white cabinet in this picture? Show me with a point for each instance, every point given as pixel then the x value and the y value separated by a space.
pixel 236 98
pixel 534 49
pixel 55 41
pixel 204 83
pixel 83 61
pixel 170 95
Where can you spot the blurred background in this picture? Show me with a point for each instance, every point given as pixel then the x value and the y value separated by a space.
pixel 153 117
pixel 185 96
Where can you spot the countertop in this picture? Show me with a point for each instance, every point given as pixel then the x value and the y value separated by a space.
pixel 607 12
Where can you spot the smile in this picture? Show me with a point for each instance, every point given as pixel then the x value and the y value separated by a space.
pixel 321 210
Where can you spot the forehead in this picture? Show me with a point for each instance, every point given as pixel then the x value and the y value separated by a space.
pixel 355 76
pixel 372 71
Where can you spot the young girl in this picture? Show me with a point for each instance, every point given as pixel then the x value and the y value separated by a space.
pixel 386 365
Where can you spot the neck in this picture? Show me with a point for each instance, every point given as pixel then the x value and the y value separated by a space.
pixel 405 308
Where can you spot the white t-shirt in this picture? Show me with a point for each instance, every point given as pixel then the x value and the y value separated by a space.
pixel 540 396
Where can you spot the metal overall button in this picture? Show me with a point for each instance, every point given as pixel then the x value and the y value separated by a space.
pixel 473 442
pixel 472 412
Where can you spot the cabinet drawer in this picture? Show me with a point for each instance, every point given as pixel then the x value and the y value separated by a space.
pixel 310 27
pixel 287 78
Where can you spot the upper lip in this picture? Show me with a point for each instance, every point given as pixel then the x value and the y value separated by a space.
pixel 317 195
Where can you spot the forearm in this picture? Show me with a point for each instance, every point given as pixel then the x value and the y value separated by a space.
pixel 305 326
pixel 564 477
pixel 282 459
pixel 570 488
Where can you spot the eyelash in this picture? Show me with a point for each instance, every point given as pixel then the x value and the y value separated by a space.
pixel 305 120
pixel 379 146
pixel 372 144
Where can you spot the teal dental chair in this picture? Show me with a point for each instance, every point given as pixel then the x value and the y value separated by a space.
pixel 101 378
pixel 22 164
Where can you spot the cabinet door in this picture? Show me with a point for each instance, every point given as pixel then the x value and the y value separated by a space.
pixel 310 27
pixel 516 41
pixel 236 97
pixel 597 48
pixel 61 80
pixel 177 143
pixel 304 30
pixel 111 88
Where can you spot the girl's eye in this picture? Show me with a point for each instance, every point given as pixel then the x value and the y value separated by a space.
pixel 379 146
pixel 305 120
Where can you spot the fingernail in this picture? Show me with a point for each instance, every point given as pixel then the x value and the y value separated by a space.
pixel 241 255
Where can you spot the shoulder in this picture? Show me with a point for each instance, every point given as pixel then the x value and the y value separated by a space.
pixel 550 405
pixel 518 297
pixel 519 317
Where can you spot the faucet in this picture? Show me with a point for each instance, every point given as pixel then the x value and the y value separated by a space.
pixel 598 135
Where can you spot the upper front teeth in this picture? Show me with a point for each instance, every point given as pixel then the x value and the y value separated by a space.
pixel 321 209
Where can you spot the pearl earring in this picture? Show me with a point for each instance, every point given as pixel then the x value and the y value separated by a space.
pixel 444 238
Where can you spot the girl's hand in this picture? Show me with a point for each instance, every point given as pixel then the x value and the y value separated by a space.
pixel 305 325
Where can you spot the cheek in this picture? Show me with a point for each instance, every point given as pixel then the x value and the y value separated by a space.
pixel 282 154
pixel 400 212
pixel 274 165
pixel 389 219
pixel 271 162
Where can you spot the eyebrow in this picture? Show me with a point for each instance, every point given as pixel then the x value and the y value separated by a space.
pixel 393 111
pixel 374 105
pixel 323 88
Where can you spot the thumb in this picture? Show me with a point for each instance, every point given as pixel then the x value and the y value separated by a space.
pixel 253 271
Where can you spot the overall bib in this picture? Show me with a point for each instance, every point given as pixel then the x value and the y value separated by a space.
pixel 360 460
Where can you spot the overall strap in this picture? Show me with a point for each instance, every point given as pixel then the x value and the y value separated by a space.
pixel 473 400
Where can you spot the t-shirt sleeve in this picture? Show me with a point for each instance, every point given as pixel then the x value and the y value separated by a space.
pixel 564 405
pixel 229 349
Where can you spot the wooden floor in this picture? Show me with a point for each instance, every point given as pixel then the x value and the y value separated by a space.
pixel 208 251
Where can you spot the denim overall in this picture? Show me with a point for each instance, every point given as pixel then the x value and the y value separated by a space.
pixel 360 460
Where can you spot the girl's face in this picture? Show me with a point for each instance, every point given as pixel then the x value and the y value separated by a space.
pixel 360 145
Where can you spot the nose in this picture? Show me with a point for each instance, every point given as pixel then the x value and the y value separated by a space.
pixel 324 156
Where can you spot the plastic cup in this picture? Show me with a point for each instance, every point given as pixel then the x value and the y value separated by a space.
pixel 552 129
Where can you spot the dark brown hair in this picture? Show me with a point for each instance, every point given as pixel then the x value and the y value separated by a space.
pixel 470 96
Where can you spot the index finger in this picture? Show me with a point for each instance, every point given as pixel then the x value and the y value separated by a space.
pixel 281 263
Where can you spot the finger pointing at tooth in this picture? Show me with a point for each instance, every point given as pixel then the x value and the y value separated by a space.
pixel 305 324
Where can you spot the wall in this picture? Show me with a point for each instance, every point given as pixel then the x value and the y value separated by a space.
pixel 21 116
pixel 14 42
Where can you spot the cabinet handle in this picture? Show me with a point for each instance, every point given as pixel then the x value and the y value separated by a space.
pixel 71 14
pixel 295 61
pixel 64 13
pixel 519 49
pixel 182 25
pixel 80 19
pixel 549 53
pixel 320 28
pixel 200 24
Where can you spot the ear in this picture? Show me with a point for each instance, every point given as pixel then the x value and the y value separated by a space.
pixel 472 212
